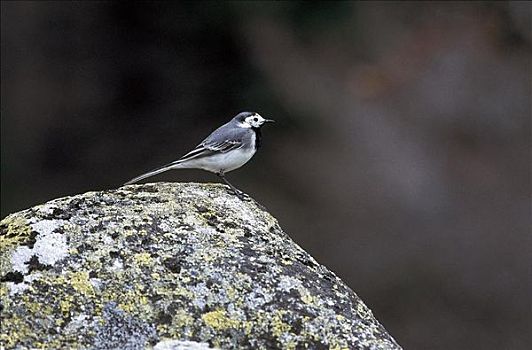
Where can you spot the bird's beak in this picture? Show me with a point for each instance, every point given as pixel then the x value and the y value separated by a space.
pixel 269 121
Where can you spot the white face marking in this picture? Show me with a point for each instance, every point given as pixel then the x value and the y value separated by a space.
pixel 253 121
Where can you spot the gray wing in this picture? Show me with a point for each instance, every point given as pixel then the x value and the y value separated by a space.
pixel 224 139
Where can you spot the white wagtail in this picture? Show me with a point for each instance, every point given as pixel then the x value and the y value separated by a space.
pixel 227 148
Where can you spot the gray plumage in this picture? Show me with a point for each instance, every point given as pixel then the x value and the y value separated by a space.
pixel 225 149
pixel 226 138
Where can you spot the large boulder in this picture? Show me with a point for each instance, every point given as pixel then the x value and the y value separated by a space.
pixel 173 266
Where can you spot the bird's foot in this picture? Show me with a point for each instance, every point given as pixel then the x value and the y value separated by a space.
pixel 241 195
pixel 245 197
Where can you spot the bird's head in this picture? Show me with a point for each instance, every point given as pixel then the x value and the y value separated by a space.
pixel 251 120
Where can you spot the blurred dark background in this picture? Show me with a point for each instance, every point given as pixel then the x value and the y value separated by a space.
pixel 400 158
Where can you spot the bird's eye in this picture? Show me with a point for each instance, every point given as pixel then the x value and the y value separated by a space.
pixel 256 119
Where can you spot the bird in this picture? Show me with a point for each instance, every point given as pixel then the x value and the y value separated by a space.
pixel 225 149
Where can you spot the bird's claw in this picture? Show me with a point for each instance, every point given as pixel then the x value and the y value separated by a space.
pixel 241 195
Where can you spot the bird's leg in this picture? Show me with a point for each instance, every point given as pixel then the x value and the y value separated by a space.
pixel 236 191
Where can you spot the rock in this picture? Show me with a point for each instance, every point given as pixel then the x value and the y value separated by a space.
pixel 169 266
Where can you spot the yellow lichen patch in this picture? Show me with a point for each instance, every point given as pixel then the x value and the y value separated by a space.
pixel 363 311
pixel 162 328
pixel 127 233
pixel 218 320
pixel 223 243
pixel 128 305
pixel 277 325
pixel 181 327
pixel 73 251
pixel 65 304
pixel 216 343
pixel 143 259
pixel 247 326
pixel 142 233
pixel 18 230
pixel 290 345
pixel 338 347
pixel 3 290
pixel 131 301
pixel 4 296
pixel 48 309
pixel 182 319
pixel 59 280
pixel 80 282
pixel 287 261
pixel 174 292
pixel 307 298
pixel 34 308
pixel 18 330
pixel 231 292
pixel 184 279
pixel 168 235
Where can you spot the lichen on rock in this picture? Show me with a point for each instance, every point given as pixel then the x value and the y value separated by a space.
pixel 169 266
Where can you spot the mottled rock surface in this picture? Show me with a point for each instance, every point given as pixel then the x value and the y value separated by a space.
pixel 170 266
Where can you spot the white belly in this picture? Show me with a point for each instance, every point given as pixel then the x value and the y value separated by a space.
pixel 223 162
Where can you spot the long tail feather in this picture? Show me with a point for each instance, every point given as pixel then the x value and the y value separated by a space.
pixel 154 172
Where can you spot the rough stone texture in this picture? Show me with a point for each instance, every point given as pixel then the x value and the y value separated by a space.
pixel 173 266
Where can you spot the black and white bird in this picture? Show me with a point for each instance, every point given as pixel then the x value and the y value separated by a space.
pixel 227 148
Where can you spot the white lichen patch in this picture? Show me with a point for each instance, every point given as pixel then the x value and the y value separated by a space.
pixel 108 240
pixel 169 344
pixel 96 283
pixel 117 265
pixel 200 292
pixel 165 227
pixel 47 208
pixel 78 323
pixel 287 283
pixel 21 256
pixel 190 219
pixel 50 248
pixel 258 297
pixel 15 288
pixel 47 226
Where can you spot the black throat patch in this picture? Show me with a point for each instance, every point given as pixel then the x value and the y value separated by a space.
pixel 258 138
